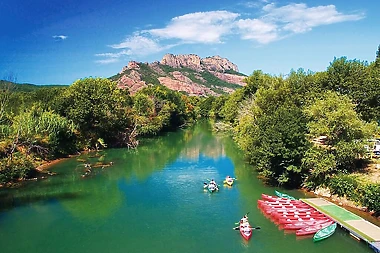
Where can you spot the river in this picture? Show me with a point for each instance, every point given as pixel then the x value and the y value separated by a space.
pixel 151 200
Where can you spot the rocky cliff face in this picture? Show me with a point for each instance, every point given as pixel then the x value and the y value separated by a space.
pixel 188 73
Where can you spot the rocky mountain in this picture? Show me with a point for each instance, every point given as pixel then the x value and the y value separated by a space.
pixel 186 73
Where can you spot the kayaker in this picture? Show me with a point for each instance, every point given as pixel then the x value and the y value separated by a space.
pixel 247 228
pixel 244 219
pixel 213 183
pixel 229 179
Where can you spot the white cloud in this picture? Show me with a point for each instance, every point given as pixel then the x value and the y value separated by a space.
pixel 107 61
pixel 60 37
pixel 298 18
pixel 139 45
pixel 135 45
pixel 271 23
pixel 254 4
pixel 258 30
pixel 199 27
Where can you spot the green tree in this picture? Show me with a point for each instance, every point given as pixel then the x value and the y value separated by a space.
pixel 271 130
pixel 334 116
pixel 361 83
pixel 99 109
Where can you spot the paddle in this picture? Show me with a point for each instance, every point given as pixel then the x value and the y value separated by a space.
pixel 238 227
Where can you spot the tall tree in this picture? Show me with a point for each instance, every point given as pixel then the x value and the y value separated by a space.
pixel 99 108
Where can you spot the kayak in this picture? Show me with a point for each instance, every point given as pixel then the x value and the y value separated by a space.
pixel 262 204
pixel 296 216
pixel 312 229
pixel 324 232
pixel 246 233
pixel 279 206
pixel 229 182
pixel 211 188
pixel 302 224
pixel 281 201
pixel 295 220
pixel 287 210
pixel 300 213
pixel 272 198
pixel 283 195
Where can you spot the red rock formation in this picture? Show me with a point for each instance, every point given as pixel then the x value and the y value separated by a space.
pixel 180 80
pixel 132 82
pixel 230 78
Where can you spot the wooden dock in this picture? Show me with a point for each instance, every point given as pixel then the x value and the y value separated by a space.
pixel 358 227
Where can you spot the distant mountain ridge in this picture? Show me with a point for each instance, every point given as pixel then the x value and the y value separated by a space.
pixel 186 73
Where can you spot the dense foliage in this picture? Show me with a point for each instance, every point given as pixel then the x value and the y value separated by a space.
pixel 301 130
pixel 52 122
pixel 305 129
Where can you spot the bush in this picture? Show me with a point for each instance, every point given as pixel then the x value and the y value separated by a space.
pixel 17 168
pixel 365 194
pixel 344 185
pixel 371 197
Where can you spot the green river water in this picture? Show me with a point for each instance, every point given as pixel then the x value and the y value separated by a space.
pixel 151 200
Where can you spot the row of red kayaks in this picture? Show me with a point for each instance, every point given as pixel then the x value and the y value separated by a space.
pixel 293 214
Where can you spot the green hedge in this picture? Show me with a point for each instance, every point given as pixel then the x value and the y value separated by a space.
pixel 363 193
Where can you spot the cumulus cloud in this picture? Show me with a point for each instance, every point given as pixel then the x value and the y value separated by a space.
pixel 298 18
pixel 199 27
pixel 135 45
pixel 258 30
pixel 267 24
pixel 107 61
pixel 59 37
pixel 139 45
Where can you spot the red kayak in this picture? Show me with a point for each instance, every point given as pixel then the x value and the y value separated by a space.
pixel 312 229
pixel 302 224
pixel 274 198
pixel 295 220
pixel 296 216
pixel 279 206
pixel 246 232
pixel 292 202
pixel 287 210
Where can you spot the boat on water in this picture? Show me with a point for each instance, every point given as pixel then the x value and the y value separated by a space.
pixel 229 181
pixel 297 216
pixel 295 220
pixel 284 195
pixel 245 231
pixel 302 224
pixel 286 210
pixel 282 206
pixel 280 203
pixel 212 188
pixel 324 232
pixel 312 229
pixel 274 198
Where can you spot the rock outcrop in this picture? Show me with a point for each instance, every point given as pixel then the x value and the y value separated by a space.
pixel 187 73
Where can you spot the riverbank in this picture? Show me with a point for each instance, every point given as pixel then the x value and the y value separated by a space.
pixel 46 165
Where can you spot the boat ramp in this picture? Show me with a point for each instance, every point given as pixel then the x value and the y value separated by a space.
pixel 358 227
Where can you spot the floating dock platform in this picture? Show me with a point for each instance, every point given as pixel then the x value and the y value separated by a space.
pixel 358 227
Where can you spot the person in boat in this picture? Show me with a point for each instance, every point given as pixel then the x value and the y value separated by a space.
pixel 229 179
pixel 247 228
pixel 214 184
pixel 244 220
pixel 205 185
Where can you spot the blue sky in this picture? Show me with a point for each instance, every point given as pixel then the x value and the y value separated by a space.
pixel 58 42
